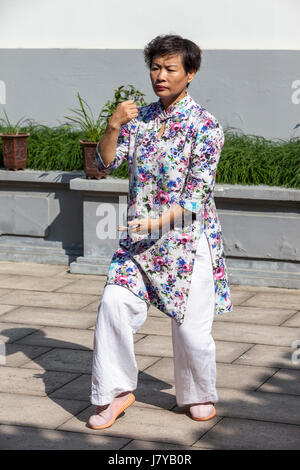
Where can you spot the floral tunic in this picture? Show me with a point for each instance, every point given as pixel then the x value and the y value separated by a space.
pixel 178 167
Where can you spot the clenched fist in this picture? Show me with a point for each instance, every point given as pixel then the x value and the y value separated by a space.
pixel 124 112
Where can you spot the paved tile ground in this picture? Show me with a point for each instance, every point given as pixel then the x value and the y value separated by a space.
pixel 47 318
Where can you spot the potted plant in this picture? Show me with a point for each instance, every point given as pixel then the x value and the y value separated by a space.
pixel 14 144
pixel 94 129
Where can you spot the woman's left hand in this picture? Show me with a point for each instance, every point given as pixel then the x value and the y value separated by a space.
pixel 141 226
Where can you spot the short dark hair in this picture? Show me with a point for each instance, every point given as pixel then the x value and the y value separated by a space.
pixel 173 44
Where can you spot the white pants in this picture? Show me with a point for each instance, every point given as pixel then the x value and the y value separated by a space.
pixel 121 314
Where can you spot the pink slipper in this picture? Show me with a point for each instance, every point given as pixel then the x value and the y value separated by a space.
pixel 107 414
pixel 203 412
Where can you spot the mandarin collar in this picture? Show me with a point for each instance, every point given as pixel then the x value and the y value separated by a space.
pixel 179 109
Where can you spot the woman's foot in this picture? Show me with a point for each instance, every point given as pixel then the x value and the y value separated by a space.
pixel 107 414
pixel 203 411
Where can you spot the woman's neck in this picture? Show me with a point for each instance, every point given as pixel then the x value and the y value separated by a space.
pixel 167 104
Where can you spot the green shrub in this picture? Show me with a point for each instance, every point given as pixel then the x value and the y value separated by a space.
pixel 52 148
pixel 92 128
pixel 9 128
pixel 250 159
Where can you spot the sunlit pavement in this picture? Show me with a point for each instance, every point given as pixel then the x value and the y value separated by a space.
pixel 47 320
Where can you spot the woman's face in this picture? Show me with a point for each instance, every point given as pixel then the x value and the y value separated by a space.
pixel 168 76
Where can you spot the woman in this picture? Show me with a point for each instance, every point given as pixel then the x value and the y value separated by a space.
pixel 171 253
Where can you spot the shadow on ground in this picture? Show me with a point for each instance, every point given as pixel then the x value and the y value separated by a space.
pixel 259 420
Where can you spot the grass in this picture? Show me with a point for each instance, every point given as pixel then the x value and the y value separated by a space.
pixel 52 148
pixel 249 159
pixel 245 159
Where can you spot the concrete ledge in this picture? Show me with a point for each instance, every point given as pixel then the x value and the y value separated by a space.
pixel 77 181
pixel 261 192
pixel 108 185
pixel 232 191
pixel 37 176
pixel 92 265
pixel 40 219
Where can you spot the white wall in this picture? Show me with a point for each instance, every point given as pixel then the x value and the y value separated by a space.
pixel 119 24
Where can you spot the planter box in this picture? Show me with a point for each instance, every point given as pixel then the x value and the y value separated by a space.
pixel 102 199
pixel 261 227
pixel 58 218
pixel 40 218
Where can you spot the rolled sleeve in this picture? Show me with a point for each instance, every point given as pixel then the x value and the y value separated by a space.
pixel 122 151
pixel 201 175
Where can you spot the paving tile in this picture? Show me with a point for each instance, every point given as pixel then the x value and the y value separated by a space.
pixel 252 333
pixel 149 424
pixel 267 316
pixel 77 389
pixel 83 286
pixel 42 412
pixel 31 269
pixel 247 434
pixel 80 387
pixel 69 360
pixel 137 444
pixel 6 308
pixel 3 292
pixel 18 281
pixel 137 337
pixel 19 354
pixel 50 317
pixel 47 299
pixel 28 438
pixel 154 394
pixel 155 345
pixel 283 300
pixel 294 320
pixel 261 406
pixel 151 394
pixel 77 276
pixel 71 338
pixel 156 326
pixel 272 356
pixel 242 377
pixel 10 332
pixel 154 312
pixel 284 381
pixel 31 382
pixel 162 371
pixel 92 306
pixel 145 361
pixel 241 296
pixel 228 351
pixel 258 289
pixel 228 375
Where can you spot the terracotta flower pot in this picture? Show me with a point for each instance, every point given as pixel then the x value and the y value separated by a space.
pixel 89 160
pixel 14 149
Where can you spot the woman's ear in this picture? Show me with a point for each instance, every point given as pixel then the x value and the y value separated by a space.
pixel 191 75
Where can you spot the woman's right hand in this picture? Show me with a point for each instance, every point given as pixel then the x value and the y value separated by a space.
pixel 124 112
